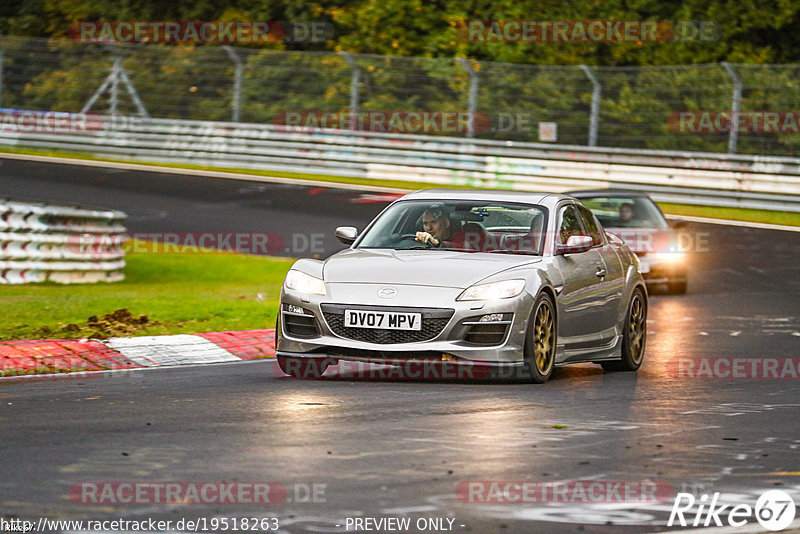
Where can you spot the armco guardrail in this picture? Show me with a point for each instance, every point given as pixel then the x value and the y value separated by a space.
pixel 699 178
pixel 45 242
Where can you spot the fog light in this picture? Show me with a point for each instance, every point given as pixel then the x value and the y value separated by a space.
pixel 491 318
pixel 291 308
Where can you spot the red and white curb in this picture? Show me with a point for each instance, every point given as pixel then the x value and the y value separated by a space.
pixel 43 357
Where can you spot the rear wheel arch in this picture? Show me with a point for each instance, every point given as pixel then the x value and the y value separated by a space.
pixel 628 294
pixel 632 350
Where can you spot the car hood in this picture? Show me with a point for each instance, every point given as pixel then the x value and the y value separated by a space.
pixel 645 240
pixel 439 268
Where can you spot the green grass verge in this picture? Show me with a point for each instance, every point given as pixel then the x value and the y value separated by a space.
pixel 398 184
pixel 179 293
pixel 736 214
pixel 786 218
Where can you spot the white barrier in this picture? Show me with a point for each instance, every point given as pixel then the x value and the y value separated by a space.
pixel 64 244
pixel 715 179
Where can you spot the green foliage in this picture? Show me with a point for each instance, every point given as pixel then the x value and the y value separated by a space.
pixel 746 31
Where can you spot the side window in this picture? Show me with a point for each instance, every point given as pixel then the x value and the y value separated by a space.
pixel 570 224
pixel 589 222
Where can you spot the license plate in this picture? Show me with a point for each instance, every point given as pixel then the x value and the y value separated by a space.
pixel 644 267
pixel 383 320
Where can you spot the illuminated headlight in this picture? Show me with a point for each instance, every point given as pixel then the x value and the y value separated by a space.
pixel 669 257
pixel 304 283
pixel 493 290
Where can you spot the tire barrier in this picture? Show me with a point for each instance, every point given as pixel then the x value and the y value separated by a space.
pixel 63 244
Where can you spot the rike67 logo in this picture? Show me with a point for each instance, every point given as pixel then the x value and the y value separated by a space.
pixel 774 510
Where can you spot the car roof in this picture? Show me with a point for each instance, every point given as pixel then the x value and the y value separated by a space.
pixel 486 194
pixel 610 192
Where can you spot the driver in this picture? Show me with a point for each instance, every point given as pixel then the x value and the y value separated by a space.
pixel 438 230
pixel 626 212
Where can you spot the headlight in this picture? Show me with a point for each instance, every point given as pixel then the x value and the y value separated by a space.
pixel 304 283
pixel 669 257
pixel 493 290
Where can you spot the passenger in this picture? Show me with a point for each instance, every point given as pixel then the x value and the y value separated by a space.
pixel 526 242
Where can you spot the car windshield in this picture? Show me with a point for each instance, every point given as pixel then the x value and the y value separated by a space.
pixel 626 212
pixel 468 226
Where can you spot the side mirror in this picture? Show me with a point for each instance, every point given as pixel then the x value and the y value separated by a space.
pixel 614 238
pixel 575 244
pixel 347 234
pixel 678 224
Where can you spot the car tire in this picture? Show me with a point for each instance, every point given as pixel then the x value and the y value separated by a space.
pixel 540 341
pixel 277 331
pixel 634 335
pixel 303 368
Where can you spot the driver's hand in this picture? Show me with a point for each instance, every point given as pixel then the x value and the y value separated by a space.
pixel 426 238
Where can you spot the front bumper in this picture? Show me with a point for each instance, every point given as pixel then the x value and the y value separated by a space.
pixel 660 271
pixel 453 343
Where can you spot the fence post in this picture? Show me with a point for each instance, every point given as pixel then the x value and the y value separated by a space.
pixel 132 93
pixel 237 83
pixel 594 117
pixel 115 85
pixel 355 79
pixel 472 104
pixel 733 135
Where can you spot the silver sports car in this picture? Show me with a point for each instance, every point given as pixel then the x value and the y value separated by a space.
pixel 512 282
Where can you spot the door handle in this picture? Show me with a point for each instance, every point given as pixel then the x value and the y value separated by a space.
pixel 601 273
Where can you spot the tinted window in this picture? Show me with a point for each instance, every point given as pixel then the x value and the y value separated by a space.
pixel 626 212
pixel 570 224
pixel 588 220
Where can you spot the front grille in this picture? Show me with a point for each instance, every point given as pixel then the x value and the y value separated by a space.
pixel 487 333
pixel 298 326
pixel 433 322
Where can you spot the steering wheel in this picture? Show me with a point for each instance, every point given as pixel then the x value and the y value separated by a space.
pixel 401 238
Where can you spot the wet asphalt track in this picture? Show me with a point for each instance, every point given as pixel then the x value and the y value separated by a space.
pixel 385 448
